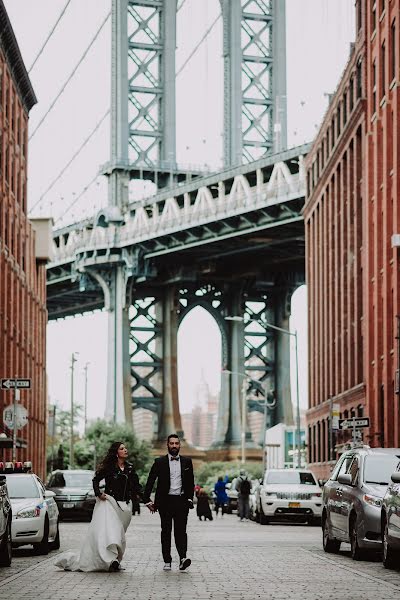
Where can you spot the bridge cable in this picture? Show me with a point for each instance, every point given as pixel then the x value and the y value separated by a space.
pixel 206 34
pixel 71 76
pixel 75 200
pixel 61 173
pixel 193 52
pixel 49 36
pixel 180 6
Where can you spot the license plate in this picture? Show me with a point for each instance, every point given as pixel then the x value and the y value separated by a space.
pixel 68 504
pixel 294 504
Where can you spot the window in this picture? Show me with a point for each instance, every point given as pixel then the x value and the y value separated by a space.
pixel 393 51
pixel 339 124
pixel 343 466
pixel 359 13
pixel 353 470
pixel 383 69
pixel 382 6
pixel 345 108
pixel 378 468
pixel 373 17
pixel 374 87
pixel 359 79
pixel 351 94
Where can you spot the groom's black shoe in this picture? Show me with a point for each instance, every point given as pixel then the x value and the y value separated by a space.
pixel 114 566
pixel 185 563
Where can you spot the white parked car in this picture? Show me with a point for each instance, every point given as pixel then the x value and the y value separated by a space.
pixel 34 513
pixel 288 494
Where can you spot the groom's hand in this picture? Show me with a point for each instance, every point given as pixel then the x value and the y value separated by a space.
pixel 190 502
pixel 151 507
pixel 102 497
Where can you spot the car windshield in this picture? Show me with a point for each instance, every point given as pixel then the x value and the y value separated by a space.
pixel 78 479
pixel 22 486
pixel 291 477
pixel 378 468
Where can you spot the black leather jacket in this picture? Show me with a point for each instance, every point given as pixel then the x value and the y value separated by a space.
pixel 122 485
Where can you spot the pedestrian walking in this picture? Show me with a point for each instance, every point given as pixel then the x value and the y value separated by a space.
pixel 203 506
pixel 243 487
pixel 221 497
pixel 173 499
pixel 104 545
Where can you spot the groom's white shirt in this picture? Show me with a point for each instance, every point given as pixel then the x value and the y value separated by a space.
pixel 175 476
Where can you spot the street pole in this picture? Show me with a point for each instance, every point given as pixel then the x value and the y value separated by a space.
pixel 16 398
pixel 243 436
pixel 297 403
pixel 71 436
pixel 86 384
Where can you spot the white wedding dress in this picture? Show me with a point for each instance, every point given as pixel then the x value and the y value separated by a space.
pixel 105 539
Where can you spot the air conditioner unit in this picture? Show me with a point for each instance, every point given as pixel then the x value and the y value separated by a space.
pixel 396 240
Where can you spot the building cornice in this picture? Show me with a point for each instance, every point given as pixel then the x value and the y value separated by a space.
pixel 12 53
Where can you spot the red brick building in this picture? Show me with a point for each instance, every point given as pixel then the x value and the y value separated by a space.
pixel 350 216
pixel 23 315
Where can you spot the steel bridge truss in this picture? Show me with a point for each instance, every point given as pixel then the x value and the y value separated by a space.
pixel 146 346
pixel 251 88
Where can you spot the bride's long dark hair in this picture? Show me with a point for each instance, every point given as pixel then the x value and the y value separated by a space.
pixel 110 459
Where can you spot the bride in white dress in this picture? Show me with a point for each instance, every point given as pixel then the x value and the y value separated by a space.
pixel 104 545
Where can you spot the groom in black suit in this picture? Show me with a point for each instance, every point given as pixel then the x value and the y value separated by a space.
pixel 174 497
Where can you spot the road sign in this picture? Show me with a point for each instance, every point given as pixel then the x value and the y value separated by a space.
pixel 22 416
pixel 335 412
pixel 358 423
pixel 11 384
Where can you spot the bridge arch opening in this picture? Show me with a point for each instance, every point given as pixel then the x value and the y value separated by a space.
pixel 199 98
pixel 199 375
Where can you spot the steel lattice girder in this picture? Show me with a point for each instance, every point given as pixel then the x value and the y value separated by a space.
pixel 259 345
pixel 145 351
pixel 151 94
pixel 257 65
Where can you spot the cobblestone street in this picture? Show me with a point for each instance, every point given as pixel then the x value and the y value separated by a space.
pixel 230 560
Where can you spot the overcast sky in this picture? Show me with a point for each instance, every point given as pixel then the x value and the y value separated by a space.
pixel 319 33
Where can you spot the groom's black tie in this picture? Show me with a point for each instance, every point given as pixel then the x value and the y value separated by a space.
pixel 174 457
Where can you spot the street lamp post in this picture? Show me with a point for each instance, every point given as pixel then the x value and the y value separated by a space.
pixel 294 335
pixel 71 435
pixel 85 368
pixel 246 379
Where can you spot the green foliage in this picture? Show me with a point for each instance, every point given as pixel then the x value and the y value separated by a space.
pixel 99 437
pixel 207 474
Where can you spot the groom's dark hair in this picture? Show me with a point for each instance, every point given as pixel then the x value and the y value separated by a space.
pixel 173 435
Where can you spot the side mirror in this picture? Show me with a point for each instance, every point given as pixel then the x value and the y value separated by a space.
pixel 345 479
pixel 396 477
pixel 49 494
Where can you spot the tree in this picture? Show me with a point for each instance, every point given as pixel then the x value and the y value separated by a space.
pixel 58 445
pixel 207 474
pixel 99 437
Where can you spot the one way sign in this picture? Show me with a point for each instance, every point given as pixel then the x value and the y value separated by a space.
pixel 358 423
pixel 11 384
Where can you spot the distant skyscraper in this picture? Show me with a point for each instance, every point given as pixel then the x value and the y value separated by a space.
pixel 145 424
pixel 200 425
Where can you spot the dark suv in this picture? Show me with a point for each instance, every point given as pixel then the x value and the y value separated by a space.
pixel 352 499
pixel 73 492
pixel 5 524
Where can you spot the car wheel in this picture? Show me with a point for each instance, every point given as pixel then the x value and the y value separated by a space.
pixel 357 553
pixel 6 549
pixel 263 519
pixel 43 547
pixel 331 545
pixel 390 557
pixel 56 544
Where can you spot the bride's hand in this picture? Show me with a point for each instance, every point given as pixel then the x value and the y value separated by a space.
pixel 102 497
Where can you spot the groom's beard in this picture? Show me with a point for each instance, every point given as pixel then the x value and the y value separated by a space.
pixel 174 451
